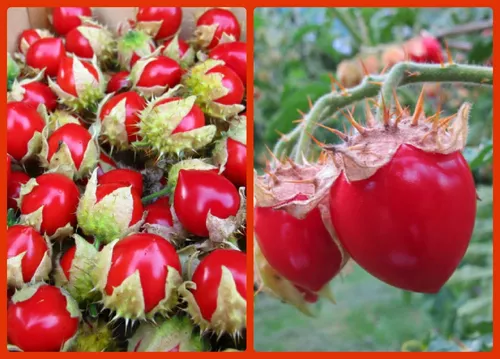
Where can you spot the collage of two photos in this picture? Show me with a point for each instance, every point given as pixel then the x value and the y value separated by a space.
pixel 361 219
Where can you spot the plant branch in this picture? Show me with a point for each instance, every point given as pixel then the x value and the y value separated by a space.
pixel 465 29
pixel 400 75
pixel 348 23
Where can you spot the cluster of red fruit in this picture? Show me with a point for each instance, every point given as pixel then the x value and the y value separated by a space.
pixel 97 120
pixel 398 198
pixel 422 49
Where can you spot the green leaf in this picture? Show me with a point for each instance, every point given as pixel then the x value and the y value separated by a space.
pixel 475 305
pixel 407 296
pixel 481 51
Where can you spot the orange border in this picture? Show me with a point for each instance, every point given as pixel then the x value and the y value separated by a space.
pixel 249 5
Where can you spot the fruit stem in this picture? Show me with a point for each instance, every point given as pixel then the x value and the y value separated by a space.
pixel 400 75
pixel 163 192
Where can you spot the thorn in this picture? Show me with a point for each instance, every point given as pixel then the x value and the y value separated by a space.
pixel 445 121
pixel 448 53
pixel 399 109
pixel 298 121
pixel 332 82
pixel 406 54
pixel 272 175
pixel 309 101
pixel 378 83
pixel 387 113
pixel 353 122
pixel 340 86
pixel 344 126
pixel 319 143
pixel 365 70
pixel 342 136
pixel 282 135
pixel 301 113
pixel 271 153
pixel 412 74
pixel 398 119
pixel 384 69
pixel 374 102
pixel 418 108
pixel 301 181
pixel 370 119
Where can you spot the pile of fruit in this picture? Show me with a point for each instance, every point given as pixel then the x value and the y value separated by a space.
pixel 126 156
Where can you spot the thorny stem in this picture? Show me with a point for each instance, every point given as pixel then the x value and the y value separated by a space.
pixel 400 75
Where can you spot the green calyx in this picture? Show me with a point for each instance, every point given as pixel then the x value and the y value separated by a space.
pixel 133 40
pixel 189 164
pixel 94 337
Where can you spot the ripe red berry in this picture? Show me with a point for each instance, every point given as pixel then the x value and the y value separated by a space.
pixel 65 19
pixel 234 54
pixel 125 177
pixel 27 124
pixel 46 53
pixel 119 81
pixel 37 93
pixel 29 36
pixel 16 180
pixel 215 24
pixel 233 84
pixel 170 19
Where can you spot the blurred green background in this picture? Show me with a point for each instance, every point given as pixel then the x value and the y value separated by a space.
pixel 295 50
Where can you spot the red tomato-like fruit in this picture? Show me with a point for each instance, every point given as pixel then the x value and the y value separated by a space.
pixel 104 189
pixel 59 197
pixel 125 177
pixel 77 139
pixel 417 215
pixel 8 168
pixel 425 49
pixel 226 23
pixel 67 260
pixel 29 37
pixel 26 239
pixel 134 103
pixel 301 250
pixel 234 54
pixel 42 323
pixel 232 82
pixel 198 192
pixel 119 81
pixel 149 254
pixel 78 44
pixel 236 165
pixel 194 119
pixel 66 76
pixel 24 121
pixel 208 274
pixel 16 180
pixel 46 54
pixel 159 213
pixel 163 71
pixel 171 18
pixel 65 19
pixel 37 93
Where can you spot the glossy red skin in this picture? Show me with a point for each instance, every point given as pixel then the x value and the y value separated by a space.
pixel 119 81
pixel 21 239
pixel 46 53
pixel 77 139
pixel 103 158
pixel 133 105
pixel 67 260
pixel 104 189
pixel 41 323
pixel 198 192
pixel 301 250
pixel 234 54
pixel 171 17
pixel 66 19
pixel 183 46
pixel 228 23
pixel 135 57
pixel 78 44
pixel 194 119
pixel 22 120
pixel 159 213
pixel 16 179
pixel 207 277
pixel 8 168
pixel 59 195
pixel 236 165
pixel 37 93
pixel 411 222
pixel 125 177
pixel 432 51
pixel 232 82
pixel 309 297
pixel 148 253
pixel 65 75
pixel 161 72
pixel 30 36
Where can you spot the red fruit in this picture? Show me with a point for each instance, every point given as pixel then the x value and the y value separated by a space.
pixel 8 168
pixel 119 81
pixel 232 83
pixel 37 93
pixel 76 137
pixel 153 258
pixel 301 250
pixel 125 177
pixel 78 44
pixel 66 75
pixel 105 164
pixel 65 19
pixel 67 260
pixel 29 37
pixel 46 53
pixel 416 200
pixel 158 72
pixel 425 49
pixel 120 116
pixel 170 18
pixel 89 40
pixel 234 54
pixel 16 180
pixel 58 195
pixel 25 122
pixel 236 165
pixel 225 25
pixel 42 322
pixel 25 239
pixel 197 193
pixel 194 119
pixel 136 57
pixel 159 213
